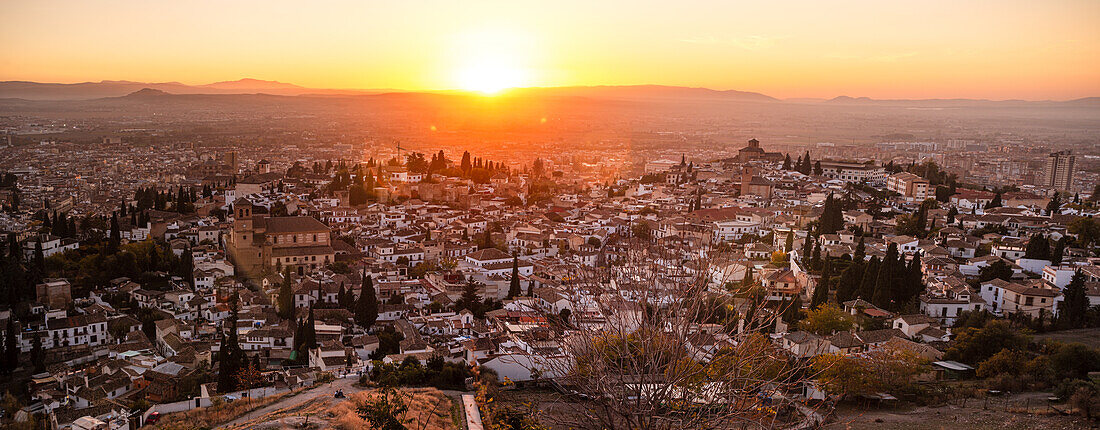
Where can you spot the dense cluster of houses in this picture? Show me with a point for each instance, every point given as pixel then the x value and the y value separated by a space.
pixel 424 242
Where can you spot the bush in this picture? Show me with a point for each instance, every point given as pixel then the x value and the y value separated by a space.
pixel 411 373
pixel 428 409
pixel 973 345
pixel 1068 387
pixel 1074 361
pixel 1087 401
pixel 1007 382
pixel 1006 362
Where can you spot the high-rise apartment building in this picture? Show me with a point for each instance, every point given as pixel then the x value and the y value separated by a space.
pixel 1059 171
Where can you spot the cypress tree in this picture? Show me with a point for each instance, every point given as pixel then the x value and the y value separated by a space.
pixel 881 295
pixel 39 257
pixel 224 366
pixel 995 203
pixel 861 252
pixel 848 285
pixel 1055 204
pixel 807 251
pixel 914 279
pixel 230 355
pixel 186 264
pixel 1059 250
pixel 821 292
pixel 470 300
pixel 366 309
pixel 1075 306
pixel 15 253
pixel 867 283
pixel 885 285
pixel 792 312
pixel 116 236
pixel 299 334
pixel 60 226
pixel 310 333
pixel 36 355
pixel 285 301
pixel 832 216
pixel 513 288
pixel 1038 248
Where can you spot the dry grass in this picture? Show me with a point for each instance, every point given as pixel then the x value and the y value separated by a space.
pixel 951 417
pixel 210 417
pixel 429 409
pixel 317 409
pixel 1089 337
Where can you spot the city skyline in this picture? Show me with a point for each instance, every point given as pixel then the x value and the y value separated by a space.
pixel 1004 50
pixel 600 215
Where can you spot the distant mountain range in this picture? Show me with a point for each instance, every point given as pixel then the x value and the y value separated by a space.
pixel 627 92
pixel 37 91
pixel 94 90
pixel 947 103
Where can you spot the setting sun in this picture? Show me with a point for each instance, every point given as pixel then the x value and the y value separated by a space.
pixel 489 77
pixel 488 61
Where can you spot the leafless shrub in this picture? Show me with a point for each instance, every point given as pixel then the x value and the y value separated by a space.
pixel 657 343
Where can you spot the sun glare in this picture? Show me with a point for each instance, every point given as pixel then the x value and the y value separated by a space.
pixel 489 62
pixel 489 77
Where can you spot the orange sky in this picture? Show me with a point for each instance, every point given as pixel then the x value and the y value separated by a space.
pixel 1046 49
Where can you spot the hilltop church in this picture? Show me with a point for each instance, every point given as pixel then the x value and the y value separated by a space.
pixel 754 152
pixel 259 242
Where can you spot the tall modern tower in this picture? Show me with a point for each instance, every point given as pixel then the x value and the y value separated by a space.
pixel 1059 172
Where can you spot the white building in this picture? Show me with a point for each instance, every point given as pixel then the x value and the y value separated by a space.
pixel 853 172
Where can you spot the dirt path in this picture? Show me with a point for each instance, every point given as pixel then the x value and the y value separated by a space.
pixel 321 394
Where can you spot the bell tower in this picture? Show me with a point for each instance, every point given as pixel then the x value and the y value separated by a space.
pixel 242 215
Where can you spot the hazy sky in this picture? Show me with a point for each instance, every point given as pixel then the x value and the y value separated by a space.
pixel 1037 49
